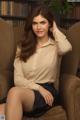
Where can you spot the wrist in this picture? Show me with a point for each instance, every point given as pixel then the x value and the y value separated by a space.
pixel 39 88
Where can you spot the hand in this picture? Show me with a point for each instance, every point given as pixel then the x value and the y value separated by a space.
pixel 46 95
pixel 52 29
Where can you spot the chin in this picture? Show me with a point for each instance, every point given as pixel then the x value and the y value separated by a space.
pixel 40 36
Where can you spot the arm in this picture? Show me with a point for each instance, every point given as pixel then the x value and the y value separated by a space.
pixel 19 78
pixel 63 44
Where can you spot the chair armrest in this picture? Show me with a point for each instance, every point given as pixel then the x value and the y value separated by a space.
pixel 3 87
pixel 6 82
pixel 70 95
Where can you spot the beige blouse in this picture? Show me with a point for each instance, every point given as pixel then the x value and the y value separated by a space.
pixel 41 67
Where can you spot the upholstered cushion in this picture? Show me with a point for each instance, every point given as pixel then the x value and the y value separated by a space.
pixel 56 113
pixel 7 53
pixel 71 60
pixel 3 82
pixel 7 45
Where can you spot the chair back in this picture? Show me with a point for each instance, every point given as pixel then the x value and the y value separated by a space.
pixel 7 53
pixel 70 61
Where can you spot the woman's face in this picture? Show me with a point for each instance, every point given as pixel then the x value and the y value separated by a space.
pixel 40 26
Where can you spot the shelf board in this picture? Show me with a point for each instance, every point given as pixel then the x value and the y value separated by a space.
pixel 7 17
pixel 23 1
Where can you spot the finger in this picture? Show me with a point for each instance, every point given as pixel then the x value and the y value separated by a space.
pixel 49 100
pixel 46 98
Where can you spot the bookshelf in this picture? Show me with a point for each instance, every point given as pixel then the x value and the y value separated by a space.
pixel 13 8
pixel 14 11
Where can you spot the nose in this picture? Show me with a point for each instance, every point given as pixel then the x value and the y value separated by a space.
pixel 38 26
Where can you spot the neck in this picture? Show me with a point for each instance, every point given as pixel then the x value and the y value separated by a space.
pixel 43 40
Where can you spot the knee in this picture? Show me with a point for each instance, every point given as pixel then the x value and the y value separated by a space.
pixel 13 93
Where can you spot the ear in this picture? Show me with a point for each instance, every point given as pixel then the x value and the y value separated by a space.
pixel 51 29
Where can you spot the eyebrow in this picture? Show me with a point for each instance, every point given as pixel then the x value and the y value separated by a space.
pixel 43 21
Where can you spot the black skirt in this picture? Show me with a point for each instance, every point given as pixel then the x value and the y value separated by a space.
pixel 40 107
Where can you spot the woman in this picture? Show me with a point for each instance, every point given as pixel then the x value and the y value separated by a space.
pixel 35 66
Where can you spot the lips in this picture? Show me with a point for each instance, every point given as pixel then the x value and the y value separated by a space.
pixel 39 31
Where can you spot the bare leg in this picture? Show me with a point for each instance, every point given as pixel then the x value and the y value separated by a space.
pixel 17 100
pixel 2 108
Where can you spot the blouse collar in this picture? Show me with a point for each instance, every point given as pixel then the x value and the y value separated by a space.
pixel 49 42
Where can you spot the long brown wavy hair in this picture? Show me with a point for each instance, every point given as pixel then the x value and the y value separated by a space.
pixel 29 43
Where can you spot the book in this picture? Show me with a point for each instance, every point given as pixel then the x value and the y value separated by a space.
pixel 4 7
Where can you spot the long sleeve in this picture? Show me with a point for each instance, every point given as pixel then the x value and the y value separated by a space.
pixel 19 79
pixel 63 44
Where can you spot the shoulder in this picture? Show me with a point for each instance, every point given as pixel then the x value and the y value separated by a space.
pixel 17 60
pixel 52 41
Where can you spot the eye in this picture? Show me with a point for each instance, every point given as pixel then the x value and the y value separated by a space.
pixel 43 22
pixel 34 23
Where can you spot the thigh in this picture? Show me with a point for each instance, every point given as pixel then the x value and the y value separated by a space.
pixel 22 95
pixel 27 98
